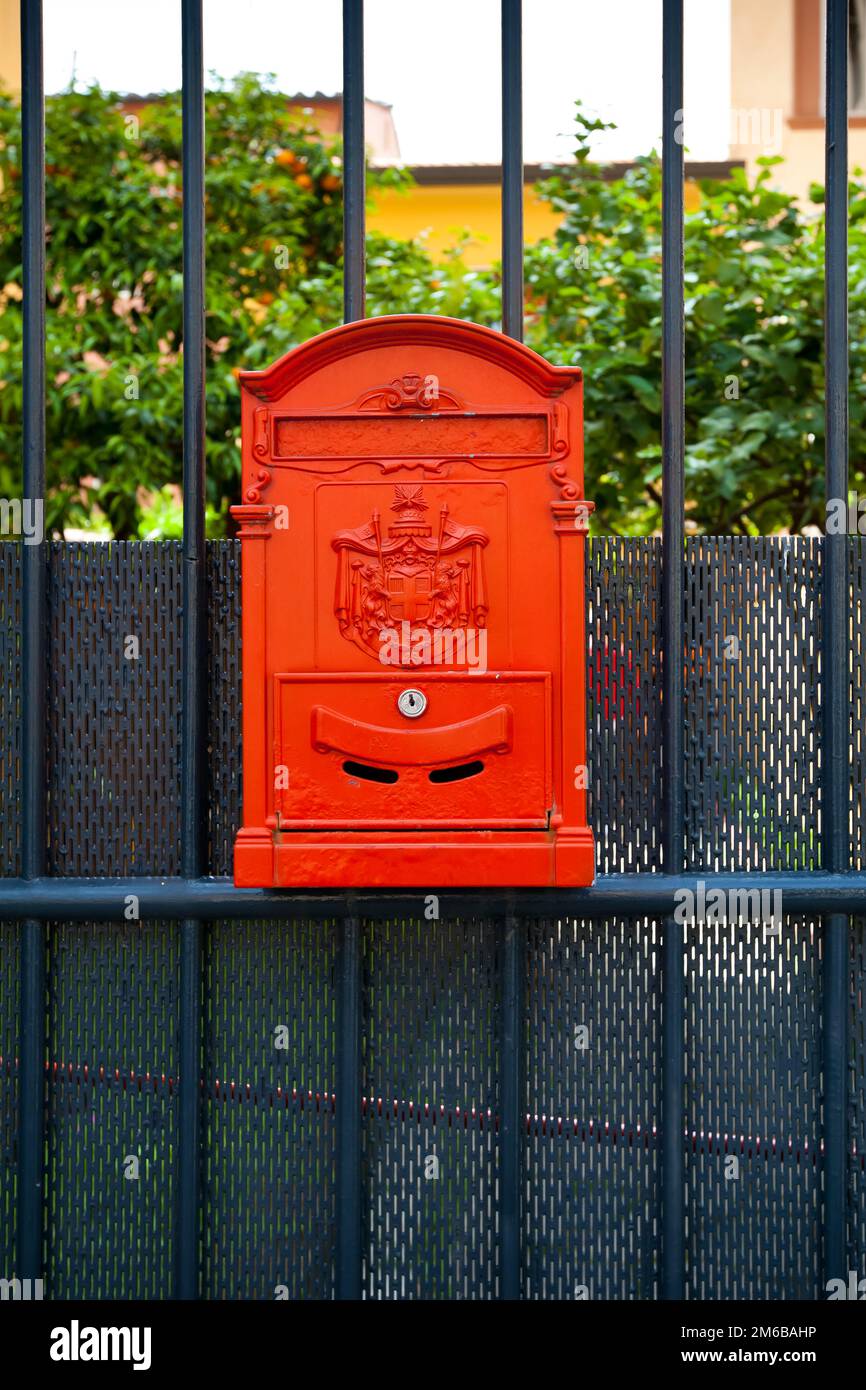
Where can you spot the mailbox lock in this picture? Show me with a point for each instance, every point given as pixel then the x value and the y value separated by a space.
pixel 411 703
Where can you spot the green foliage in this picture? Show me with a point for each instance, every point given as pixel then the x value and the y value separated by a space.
pixel 115 308
pixel 754 343
pixel 754 312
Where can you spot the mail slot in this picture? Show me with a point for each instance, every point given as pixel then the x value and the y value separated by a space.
pixel 413 530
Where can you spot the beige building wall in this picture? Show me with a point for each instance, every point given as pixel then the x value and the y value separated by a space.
pixel 776 76
pixel 380 134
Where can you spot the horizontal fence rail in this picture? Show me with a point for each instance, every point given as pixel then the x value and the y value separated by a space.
pixel 552 1083
pixel 88 899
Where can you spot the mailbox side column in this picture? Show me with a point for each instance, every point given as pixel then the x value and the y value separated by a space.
pixel 575 857
pixel 254 846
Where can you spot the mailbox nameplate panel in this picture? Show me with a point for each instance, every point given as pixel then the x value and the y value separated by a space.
pixel 478 435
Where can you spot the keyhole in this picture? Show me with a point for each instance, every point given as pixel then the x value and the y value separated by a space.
pixel 411 703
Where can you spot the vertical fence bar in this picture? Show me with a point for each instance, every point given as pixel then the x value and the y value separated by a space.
pixel 673 432
pixel 354 163
pixel 31 1080
pixel 193 727
pixel 834 646
pixel 512 169
pixel 349 948
pixel 511 1106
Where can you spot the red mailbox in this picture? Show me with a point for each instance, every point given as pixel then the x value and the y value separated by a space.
pixel 413 529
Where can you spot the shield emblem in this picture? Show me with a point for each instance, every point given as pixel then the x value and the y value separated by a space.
pixel 410 594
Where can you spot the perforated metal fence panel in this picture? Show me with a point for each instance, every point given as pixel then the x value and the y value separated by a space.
pixel 113 994
pixel 269 1157
pixel 591 1217
pixel 857 1111
pixel 10 850
pixel 432 989
pixel 431 1069
pixel 9 967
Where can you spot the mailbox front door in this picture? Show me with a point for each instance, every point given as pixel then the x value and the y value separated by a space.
pixel 413 532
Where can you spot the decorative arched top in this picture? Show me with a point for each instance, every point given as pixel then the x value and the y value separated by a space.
pixel 404 330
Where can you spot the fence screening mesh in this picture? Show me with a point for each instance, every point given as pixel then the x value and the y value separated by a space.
pixel 432 1001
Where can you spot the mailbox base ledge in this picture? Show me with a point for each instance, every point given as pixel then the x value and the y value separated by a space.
pixel 468 859
pixel 574 858
pixel 254 858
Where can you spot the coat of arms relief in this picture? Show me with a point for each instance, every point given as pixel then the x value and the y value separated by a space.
pixel 431 578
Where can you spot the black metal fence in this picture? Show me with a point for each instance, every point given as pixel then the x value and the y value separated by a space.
pixel 533 1094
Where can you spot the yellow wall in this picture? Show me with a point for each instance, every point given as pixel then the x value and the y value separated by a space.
pixel 445 210
pixel 10 45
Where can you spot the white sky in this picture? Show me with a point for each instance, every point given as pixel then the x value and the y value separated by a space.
pixel 437 63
